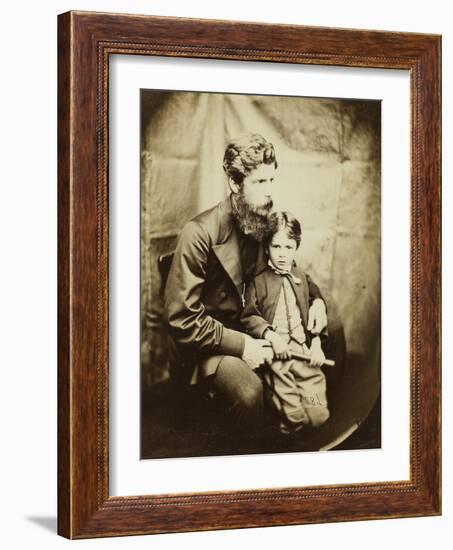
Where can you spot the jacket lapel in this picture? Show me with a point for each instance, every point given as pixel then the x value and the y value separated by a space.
pixel 228 255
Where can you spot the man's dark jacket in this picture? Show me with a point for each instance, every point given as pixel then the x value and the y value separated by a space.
pixel 204 291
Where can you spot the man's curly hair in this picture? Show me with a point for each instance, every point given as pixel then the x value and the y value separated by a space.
pixel 246 153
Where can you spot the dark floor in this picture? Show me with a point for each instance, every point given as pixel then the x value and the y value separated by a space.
pixel 186 424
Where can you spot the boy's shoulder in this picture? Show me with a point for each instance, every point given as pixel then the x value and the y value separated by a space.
pixel 265 274
pixel 298 271
pixel 263 280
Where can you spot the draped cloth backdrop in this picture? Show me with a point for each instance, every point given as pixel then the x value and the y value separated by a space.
pixel 329 157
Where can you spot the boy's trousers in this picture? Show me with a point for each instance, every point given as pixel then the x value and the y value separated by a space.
pixel 298 392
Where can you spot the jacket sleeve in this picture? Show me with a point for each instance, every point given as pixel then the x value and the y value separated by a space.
pixel 313 291
pixel 313 294
pixel 252 319
pixel 189 323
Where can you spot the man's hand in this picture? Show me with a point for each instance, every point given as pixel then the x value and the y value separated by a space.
pixel 257 352
pixel 317 318
pixel 282 350
pixel 317 356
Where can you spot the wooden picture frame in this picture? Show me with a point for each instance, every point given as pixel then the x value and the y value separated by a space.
pixel 85 42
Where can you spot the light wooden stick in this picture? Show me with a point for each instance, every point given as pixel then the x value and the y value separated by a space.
pixel 303 357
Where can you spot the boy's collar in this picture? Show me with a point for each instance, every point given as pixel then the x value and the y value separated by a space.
pixel 284 272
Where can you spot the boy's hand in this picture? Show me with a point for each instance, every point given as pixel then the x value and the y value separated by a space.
pixel 282 350
pixel 317 356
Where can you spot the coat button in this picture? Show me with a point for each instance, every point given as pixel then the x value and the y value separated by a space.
pixel 223 294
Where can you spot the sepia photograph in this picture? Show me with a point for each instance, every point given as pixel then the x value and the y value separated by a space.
pixel 249 282
pixel 260 276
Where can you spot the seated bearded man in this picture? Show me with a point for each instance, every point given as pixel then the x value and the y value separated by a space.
pixel 217 254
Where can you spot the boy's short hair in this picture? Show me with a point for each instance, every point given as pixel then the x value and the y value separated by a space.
pixel 283 220
pixel 245 153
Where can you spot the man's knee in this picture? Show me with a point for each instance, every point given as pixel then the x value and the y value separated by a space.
pixel 240 386
pixel 250 396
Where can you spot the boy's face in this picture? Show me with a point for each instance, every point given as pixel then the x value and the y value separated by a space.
pixel 282 250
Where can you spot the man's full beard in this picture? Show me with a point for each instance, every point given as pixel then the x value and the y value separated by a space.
pixel 250 221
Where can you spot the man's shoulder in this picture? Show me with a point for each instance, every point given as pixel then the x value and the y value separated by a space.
pixel 202 226
pixel 216 221
pixel 209 216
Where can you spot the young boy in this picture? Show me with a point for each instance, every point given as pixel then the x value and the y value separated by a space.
pixel 276 308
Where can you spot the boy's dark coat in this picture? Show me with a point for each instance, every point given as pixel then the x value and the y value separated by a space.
pixel 262 297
